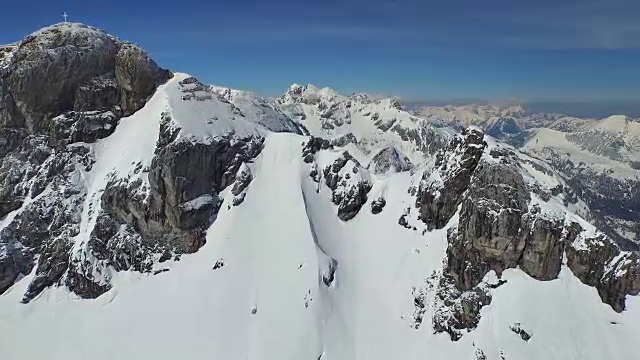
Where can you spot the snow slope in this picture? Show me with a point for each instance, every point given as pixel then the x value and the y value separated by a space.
pixel 269 301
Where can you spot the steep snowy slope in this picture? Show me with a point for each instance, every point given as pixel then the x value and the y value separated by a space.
pixel 195 226
pixel 300 283
pixel 364 124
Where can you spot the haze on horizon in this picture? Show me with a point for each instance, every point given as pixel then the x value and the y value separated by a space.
pixel 567 56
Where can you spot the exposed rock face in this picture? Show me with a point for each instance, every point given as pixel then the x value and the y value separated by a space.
pixel 457 311
pixel 137 76
pixel 344 176
pixel 600 263
pixel 61 87
pixel 442 189
pixel 505 222
pixel 312 146
pixel 184 181
pixel 349 190
pixel 517 329
pixel 86 70
pixel 490 224
pixel 389 160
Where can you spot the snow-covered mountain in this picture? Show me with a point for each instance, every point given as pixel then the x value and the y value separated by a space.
pixel 264 111
pixel 499 121
pixel 367 123
pixel 602 162
pixel 597 157
pixel 164 219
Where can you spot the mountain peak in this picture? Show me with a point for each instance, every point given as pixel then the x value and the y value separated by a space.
pixel 64 31
pixel 310 94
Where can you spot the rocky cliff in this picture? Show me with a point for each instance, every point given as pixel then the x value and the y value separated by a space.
pixel 508 218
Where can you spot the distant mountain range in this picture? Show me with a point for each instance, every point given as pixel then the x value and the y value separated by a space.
pixel 595 109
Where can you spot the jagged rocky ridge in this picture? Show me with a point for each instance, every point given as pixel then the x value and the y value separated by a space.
pixel 369 125
pixel 599 158
pixel 506 219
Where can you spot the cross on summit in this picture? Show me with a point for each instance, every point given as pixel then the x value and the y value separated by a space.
pixel 65 16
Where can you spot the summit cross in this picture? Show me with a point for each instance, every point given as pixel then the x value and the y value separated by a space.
pixel 65 16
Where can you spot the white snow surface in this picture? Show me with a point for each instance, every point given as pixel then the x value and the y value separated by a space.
pixel 261 110
pixel 269 300
pixel 546 143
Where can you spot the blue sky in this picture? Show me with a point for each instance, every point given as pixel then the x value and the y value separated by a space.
pixel 496 50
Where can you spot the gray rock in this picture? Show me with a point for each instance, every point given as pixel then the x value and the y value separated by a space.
pixel 389 160
pixel 85 70
pixel 14 261
pixel 349 195
pixel 377 205
pixel 137 76
pixel 66 84
pixel 438 202
pixel 52 264
pixel 312 146
pixel 185 179
pixel 243 179
pixel 517 329
pixel 601 264
pixel 457 312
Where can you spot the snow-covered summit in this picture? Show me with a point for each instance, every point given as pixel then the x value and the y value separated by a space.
pixel 310 94
pixel 370 124
pixel 620 124
pixel 261 110
pixel 64 28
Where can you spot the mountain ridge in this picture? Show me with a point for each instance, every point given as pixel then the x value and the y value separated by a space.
pixel 226 225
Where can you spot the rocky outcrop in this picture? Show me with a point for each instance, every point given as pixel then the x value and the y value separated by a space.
pixel 389 160
pixel 344 176
pixel 507 219
pixel 457 312
pixel 349 189
pixel 86 70
pixel 312 146
pixel 185 179
pixel 43 228
pixel 378 205
pixel 442 187
pixel 60 88
pixel 599 262
pixel 137 76
pixel 243 179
